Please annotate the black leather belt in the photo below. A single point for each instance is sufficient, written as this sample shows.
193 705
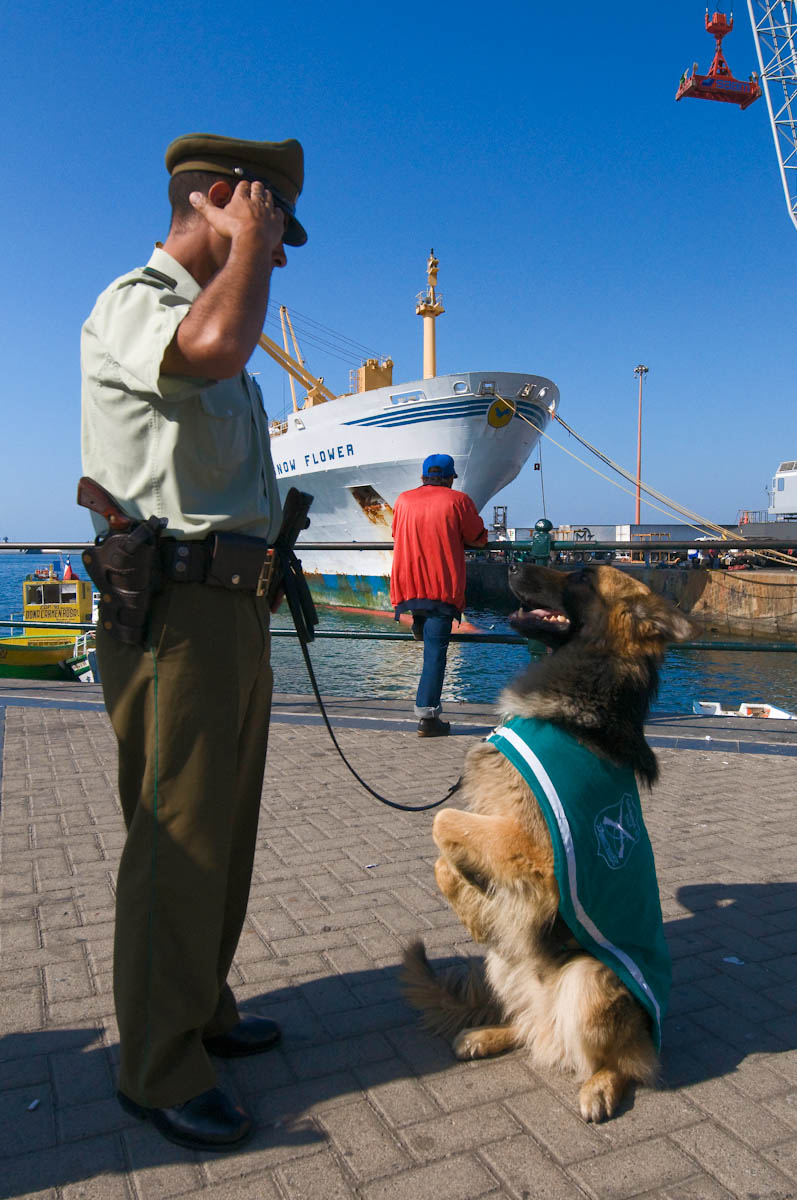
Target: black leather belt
185 562
228 560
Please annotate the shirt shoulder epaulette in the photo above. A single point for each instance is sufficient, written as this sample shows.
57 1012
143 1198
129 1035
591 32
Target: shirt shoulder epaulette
148 275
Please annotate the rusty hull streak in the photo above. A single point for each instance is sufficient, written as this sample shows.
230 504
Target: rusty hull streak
374 508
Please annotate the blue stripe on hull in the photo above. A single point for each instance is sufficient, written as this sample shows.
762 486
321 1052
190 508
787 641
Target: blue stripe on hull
391 420
351 591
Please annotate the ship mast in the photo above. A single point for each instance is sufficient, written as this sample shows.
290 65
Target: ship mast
429 306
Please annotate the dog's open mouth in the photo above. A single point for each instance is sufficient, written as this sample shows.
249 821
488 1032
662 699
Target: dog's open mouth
532 622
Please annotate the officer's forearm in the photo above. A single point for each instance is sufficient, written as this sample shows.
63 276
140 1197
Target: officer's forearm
217 337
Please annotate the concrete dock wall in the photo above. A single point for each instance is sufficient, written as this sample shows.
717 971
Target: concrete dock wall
741 603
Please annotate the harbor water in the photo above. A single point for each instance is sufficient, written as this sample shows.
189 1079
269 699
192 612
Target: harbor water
475 673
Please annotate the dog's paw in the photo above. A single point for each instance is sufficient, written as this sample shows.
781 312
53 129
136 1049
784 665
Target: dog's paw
468 1044
484 1042
600 1095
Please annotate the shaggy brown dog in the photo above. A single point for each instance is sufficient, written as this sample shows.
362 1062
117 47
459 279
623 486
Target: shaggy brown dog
543 990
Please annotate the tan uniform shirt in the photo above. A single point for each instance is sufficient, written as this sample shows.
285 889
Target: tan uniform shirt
194 451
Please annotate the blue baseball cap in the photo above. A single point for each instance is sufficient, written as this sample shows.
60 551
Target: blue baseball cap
439 464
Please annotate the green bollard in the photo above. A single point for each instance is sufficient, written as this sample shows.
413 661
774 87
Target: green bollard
541 542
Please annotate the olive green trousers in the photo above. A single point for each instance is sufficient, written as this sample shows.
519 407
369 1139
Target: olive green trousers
190 710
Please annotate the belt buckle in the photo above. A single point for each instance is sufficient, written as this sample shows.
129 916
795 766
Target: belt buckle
266 572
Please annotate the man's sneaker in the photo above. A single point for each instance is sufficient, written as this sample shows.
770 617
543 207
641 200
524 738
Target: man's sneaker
433 727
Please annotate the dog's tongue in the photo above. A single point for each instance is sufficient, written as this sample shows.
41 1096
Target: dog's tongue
545 614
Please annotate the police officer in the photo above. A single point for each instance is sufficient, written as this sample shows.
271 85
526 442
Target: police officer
173 426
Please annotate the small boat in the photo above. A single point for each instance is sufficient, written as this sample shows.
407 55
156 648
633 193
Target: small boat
44 653
713 708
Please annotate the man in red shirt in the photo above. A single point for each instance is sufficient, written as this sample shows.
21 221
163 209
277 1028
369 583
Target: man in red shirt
432 525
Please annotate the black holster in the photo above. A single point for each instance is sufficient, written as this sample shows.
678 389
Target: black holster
126 569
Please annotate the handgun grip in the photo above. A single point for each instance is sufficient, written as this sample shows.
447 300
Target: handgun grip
91 494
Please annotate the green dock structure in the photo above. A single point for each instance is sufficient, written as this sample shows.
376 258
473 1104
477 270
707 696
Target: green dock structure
359 1102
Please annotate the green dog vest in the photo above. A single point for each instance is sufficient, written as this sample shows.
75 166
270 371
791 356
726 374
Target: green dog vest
603 859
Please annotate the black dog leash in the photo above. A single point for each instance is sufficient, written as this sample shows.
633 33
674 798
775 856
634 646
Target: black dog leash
303 612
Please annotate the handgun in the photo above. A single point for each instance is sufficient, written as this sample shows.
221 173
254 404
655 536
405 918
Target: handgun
91 494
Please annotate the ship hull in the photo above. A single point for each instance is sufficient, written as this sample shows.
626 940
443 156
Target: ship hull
356 454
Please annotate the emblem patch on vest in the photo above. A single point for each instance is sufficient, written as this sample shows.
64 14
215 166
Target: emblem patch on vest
617 831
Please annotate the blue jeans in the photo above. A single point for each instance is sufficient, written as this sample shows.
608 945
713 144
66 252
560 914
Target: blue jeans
436 634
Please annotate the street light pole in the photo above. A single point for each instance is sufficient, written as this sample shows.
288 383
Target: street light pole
641 371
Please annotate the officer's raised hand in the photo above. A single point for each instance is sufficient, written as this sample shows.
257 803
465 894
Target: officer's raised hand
248 211
232 244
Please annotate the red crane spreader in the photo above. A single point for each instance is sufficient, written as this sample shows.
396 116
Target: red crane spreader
719 84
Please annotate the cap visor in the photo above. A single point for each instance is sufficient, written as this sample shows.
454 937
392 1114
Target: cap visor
295 234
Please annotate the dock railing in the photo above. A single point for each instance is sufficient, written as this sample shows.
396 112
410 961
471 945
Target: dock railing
510 550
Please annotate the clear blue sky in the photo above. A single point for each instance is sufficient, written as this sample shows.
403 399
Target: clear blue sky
584 221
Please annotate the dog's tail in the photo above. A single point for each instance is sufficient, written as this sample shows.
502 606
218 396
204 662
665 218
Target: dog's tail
450 1002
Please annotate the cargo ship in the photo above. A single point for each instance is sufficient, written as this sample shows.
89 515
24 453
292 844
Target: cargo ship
355 453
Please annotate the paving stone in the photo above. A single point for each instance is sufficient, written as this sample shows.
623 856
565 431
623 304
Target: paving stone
259 1186
269 1147
523 1167
400 1099
784 1157
459 1131
287 1103
634 1170
332 1056
370 1017
700 1187
22 1010
756 1127
364 1141
158 1168
784 1107
95 1164
467 1083
23 1128
458 1178
313 1177
78 1076
24 1072
565 1136
735 1166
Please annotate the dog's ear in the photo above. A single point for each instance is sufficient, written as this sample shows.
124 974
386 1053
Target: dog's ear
651 618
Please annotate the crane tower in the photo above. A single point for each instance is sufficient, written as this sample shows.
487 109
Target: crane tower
775 31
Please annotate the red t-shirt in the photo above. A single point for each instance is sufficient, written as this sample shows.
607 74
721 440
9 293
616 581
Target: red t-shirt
431 526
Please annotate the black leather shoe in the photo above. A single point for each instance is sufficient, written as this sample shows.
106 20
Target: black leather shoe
433 727
210 1121
252 1035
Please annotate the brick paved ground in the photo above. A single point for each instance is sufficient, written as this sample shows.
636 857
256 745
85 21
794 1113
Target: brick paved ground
358 1102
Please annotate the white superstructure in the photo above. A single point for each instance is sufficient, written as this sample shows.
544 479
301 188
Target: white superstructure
783 497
